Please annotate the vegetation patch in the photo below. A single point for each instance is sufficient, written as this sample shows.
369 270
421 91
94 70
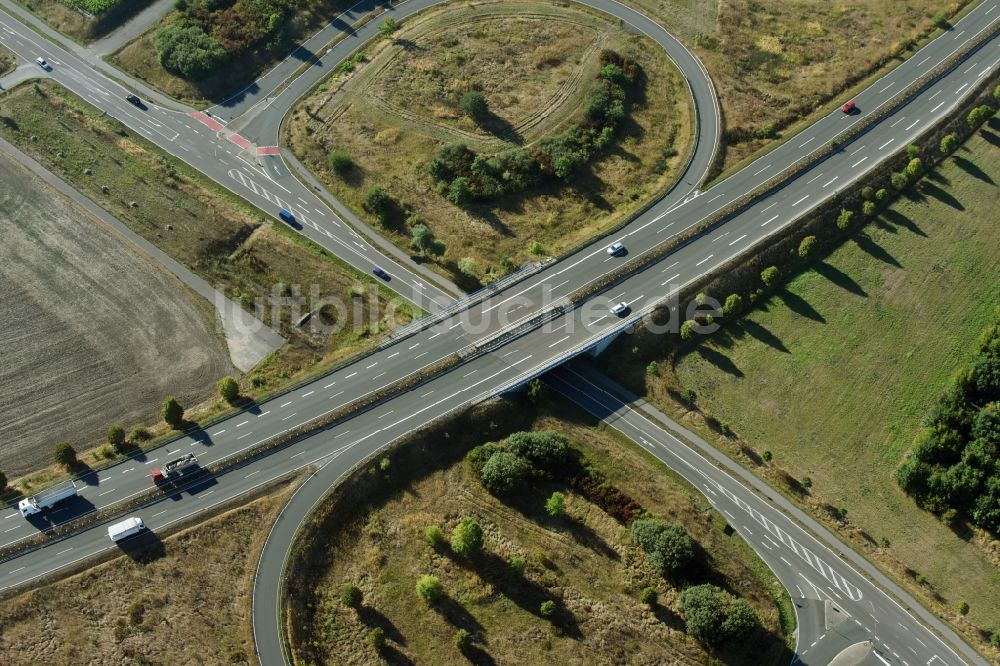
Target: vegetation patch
85 20
545 123
824 385
423 557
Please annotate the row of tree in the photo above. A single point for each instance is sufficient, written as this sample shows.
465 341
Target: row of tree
463 176
955 465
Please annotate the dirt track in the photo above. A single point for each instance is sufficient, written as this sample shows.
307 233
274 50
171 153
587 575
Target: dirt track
90 332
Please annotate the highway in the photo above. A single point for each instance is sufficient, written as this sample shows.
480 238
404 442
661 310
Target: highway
515 360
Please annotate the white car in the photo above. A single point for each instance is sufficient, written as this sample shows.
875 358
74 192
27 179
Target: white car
620 309
44 64
615 248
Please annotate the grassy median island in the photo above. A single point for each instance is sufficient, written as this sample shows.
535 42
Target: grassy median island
557 575
85 20
834 374
186 601
773 62
508 81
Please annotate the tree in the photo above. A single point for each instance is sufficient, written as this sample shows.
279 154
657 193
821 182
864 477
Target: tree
555 506
116 437
668 546
467 538
770 276
474 105
845 219
468 266
187 50
65 454
429 588
614 73
459 192
544 449
3 482
995 639
462 639
376 638
940 21
649 596
963 608
652 369
687 330
503 473
688 396
912 151
714 616
378 203
351 595
899 180
339 162
978 116
434 536
914 167
881 194
516 565
423 239
949 142
808 245
172 412
228 389
807 482
733 305
868 209
387 28
547 608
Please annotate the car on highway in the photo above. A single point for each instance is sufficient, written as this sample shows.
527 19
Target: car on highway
849 107
620 309
44 64
289 218
615 249
381 274
134 100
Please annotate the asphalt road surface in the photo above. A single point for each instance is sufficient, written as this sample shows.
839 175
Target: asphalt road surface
521 357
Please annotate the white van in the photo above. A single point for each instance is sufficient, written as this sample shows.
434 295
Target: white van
128 527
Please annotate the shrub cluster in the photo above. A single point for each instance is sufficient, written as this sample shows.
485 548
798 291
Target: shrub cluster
953 467
463 176
668 547
715 616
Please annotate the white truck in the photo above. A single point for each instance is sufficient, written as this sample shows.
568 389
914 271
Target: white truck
128 527
174 470
30 506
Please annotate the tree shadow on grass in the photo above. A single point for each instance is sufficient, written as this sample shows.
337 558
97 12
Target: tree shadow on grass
839 278
972 169
900 220
588 538
719 360
937 177
991 138
800 306
456 615
372 618
865 243
478 656
941 195
500 128
668 617
393 656
761 334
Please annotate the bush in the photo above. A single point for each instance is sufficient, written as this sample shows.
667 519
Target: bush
940 21
963 608
733 305
547 608
768 456
978 116
767 131
462 639
378 203
770 276
555 506
376 638
867 193
459 191
467 538
228 389
172 412
914 167
116 437
187 50
668 547
714 616
807 482
468 266
899 180
351 595
949 142
536 248
652 369
434 536
912 151
423 239
3 481
845 219
649 596
387 28
516 565
881 194
65 454
429 588
808 245
339 162
688 396
544 449
138 434
868 209
503 473
995 639
474 105
687 330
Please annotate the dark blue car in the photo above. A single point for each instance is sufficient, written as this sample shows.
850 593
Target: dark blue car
287 217
380 273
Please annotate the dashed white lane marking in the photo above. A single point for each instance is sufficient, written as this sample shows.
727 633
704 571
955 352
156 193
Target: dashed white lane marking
887 143
704 260
296 455
938 107
806 142
912 125
106 492
380 374
787 563
150 462
246 435
263 414
935 94
63 552
470 374
306 395
216 434
559 342
387 413
830 182
392 355
285 404
414 346
859 161
770 221
289 416
350 375
737 240
800 201
251 474
369 367
158 514
11 529
762 170
887 87
419 355
243 423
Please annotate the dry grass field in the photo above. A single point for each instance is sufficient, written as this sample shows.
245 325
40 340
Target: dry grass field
774 61
835 372
586 560
7 60
534 62
189 606
91 331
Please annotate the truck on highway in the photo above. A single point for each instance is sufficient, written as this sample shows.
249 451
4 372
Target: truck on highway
172 471
128 527
30 506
